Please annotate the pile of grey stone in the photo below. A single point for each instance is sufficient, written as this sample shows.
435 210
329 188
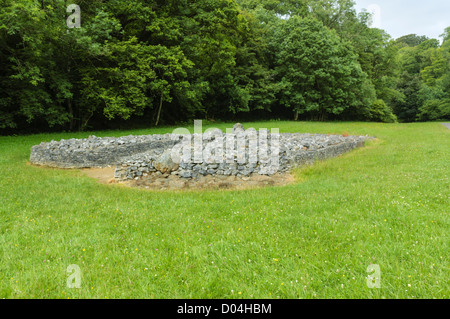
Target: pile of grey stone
240 153
96 151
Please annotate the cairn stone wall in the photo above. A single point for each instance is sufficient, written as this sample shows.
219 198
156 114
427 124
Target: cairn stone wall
95 151
241 153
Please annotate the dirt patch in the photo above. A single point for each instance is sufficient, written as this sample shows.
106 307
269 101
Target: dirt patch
210 182
173 182
102 175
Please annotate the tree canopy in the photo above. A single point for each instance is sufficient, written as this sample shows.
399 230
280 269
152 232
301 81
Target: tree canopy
163 62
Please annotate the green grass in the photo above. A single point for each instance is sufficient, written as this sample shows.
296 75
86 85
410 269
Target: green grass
385 204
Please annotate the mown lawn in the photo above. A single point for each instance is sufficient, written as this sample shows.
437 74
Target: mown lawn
385 204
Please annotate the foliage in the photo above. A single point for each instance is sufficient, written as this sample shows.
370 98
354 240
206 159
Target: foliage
412 40
433 110
153 61
424 81
318 72
380 112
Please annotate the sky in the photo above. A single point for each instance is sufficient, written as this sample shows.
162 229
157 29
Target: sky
402 17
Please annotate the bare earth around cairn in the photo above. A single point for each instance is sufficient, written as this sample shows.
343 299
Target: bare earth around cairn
171 182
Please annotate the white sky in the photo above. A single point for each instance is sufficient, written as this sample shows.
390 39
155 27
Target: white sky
402 17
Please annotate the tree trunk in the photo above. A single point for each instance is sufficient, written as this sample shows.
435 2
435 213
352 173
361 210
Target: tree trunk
84 124
323 116
69 106
159 110
296 116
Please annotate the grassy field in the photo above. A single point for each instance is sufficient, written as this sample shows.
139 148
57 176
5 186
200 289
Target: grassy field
385 204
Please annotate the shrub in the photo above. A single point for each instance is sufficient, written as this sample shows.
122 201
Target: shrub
433 110
380 112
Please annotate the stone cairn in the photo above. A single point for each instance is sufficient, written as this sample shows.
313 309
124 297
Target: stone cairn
240 153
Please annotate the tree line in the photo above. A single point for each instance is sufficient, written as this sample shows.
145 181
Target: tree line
159 62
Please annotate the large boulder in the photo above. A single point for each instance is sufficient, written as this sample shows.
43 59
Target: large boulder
238 128
165 164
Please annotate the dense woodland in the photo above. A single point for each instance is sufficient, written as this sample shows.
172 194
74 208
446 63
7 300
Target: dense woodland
154 62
